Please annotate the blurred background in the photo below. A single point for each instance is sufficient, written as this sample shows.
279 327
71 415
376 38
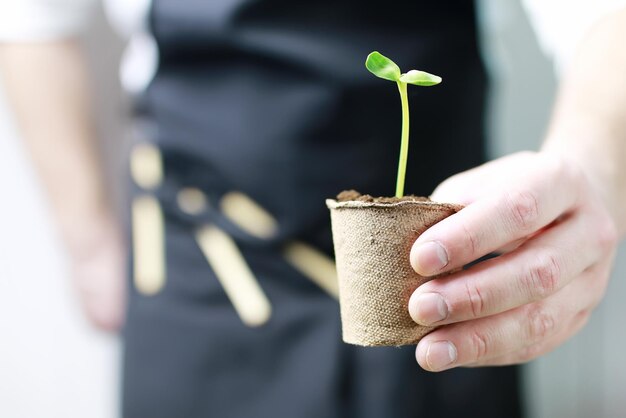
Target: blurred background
52 364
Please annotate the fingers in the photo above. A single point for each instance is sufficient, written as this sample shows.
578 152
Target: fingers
533 272
98 278
496 220
587 283
533 351
516 335
483 339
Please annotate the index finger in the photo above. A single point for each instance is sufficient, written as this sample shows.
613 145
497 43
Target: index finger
495 221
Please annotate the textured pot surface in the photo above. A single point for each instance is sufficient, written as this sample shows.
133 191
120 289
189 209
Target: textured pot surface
372 244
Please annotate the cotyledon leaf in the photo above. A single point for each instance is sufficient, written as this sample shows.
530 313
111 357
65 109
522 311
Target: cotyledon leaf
420 78
382 67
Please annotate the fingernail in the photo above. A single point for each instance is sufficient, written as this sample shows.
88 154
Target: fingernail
428 308
440 355
429 258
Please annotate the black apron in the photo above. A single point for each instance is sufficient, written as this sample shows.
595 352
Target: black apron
271 98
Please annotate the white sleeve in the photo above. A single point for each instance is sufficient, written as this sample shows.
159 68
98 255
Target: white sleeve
561 24
42 20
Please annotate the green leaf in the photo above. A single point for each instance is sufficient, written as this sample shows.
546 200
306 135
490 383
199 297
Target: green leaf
420 78
382 67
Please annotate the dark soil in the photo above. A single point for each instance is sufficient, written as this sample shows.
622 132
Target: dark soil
353 195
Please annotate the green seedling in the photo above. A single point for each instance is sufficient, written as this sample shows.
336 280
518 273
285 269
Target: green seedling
383 67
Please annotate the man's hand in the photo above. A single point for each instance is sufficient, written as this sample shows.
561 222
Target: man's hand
98 271
557 242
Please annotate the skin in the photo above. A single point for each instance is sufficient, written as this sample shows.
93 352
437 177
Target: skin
47 87
556 216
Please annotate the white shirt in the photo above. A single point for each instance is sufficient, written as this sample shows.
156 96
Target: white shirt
559 24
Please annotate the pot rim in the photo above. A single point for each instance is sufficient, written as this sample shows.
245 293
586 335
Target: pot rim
357 204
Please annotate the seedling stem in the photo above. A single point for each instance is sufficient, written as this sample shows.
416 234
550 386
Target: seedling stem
383 67
404 142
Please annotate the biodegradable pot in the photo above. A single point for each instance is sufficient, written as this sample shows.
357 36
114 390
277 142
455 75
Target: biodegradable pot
373 239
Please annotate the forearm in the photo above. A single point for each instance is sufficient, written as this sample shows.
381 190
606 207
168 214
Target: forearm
46 84
589 123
